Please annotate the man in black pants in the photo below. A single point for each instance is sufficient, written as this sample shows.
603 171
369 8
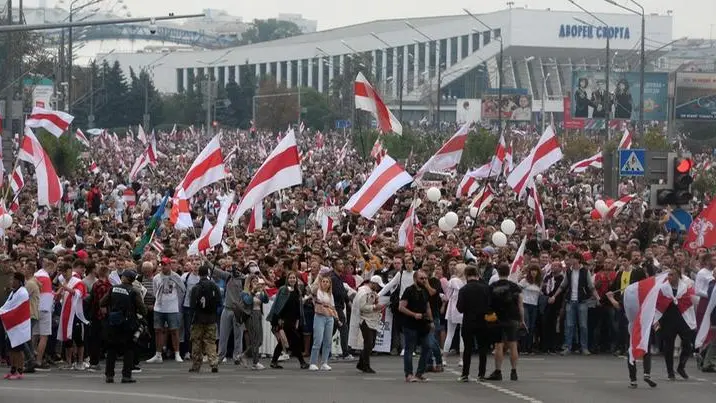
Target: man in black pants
676 316
473 302
550 319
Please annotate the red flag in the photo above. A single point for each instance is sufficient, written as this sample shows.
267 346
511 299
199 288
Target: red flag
702 232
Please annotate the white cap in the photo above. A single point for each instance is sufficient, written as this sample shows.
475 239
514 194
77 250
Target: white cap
378 280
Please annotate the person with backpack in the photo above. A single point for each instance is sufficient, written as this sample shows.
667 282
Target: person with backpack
123 304
205 298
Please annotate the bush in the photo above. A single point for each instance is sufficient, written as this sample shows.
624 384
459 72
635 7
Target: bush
578 148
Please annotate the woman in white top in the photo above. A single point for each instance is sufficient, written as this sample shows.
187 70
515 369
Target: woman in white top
452 315
323 319
531 286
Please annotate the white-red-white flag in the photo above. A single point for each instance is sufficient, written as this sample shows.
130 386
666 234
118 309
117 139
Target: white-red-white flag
55 122
616 208
49 187
519 260
448 156
595 161
82 138
343 153
406 232
208 168
320 142
508 164
545 154
141 135
368 99
15 316
378 152
327 224
640 309
94 168
17 181
705 333
382 183
214 235
534 203
626 140
148 157
256 221
281 170
35 225
483 199
129 197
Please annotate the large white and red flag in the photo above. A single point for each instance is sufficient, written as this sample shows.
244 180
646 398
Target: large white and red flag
34 227
534 203
626 140
49 187
595 161
72 307
545 154
378 151
483 199
214 235
368 99
180 215
82 138
17 181
640 309
327 224
148 157
55 122
129 197
94 168
702 231
705 333
519 260
15 317
46 294
448 156
208 168
281 170
382 183
406 232
256 221
141 135
508 164
616 208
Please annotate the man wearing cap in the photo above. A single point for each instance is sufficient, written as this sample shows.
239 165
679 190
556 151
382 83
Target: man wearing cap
123 304
366 315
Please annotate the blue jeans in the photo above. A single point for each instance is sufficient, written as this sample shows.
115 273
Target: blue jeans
434 341
322 335
575 311
412 339
531 312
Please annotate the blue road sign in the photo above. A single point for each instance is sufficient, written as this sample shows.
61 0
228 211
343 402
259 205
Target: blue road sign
632 162
679 220
343 124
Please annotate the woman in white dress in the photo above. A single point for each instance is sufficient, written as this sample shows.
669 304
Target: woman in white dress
452 315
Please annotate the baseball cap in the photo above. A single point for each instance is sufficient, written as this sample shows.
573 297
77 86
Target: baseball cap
377 280
82 255
130 274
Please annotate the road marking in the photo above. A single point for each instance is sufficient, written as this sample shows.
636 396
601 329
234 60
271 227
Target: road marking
114 393
502 390
375 378
559 373
261 377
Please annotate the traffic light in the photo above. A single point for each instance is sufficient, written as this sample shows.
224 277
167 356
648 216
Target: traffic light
677 190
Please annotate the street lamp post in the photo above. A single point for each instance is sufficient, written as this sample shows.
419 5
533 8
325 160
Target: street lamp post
400 79
642 67
438 66
70 39
499 73
544 94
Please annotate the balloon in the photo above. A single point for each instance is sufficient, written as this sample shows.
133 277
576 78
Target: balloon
473 212
508 227
433 194
499 239
595 214
451 219
443 225
601 207
539 178
5 221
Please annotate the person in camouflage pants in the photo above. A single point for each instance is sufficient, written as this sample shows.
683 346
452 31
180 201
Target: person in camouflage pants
205 298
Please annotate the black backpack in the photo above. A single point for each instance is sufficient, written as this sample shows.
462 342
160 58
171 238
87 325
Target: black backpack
206 299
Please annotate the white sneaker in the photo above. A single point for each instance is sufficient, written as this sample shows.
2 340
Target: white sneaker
284 357
402 352
187 357
313 367
157 359
325 367
459 364
79 366
205 359
349 357
177 357
223 361
257 367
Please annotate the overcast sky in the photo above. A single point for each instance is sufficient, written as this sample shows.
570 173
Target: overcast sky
692 18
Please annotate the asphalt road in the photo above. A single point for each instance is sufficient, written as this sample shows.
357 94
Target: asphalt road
542 379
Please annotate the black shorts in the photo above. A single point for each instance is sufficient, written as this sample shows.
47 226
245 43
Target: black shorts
507 331
78 335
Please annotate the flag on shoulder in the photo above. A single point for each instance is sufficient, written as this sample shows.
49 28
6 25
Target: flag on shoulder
15 316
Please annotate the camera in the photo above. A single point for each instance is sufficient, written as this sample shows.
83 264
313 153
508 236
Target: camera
152 26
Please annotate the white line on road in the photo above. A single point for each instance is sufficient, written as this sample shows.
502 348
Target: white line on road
502 390
113 393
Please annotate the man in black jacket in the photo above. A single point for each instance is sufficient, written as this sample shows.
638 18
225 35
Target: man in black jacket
205 299
473 302
341 301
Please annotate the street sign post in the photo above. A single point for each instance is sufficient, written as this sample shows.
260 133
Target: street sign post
632 163
679 220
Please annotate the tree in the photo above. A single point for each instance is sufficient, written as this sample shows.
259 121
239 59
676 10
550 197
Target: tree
342 84
578 148
276 105
142 87
319 113
111 112
653 140
269 30
64 152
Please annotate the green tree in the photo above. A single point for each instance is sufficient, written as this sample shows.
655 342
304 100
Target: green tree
111 112
141 90
269 30
578 148
654 140
276 105
64 152
318 111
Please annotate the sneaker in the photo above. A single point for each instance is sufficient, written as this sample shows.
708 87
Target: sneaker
223 360
459 364
214 370
586 352
284 357
566 351
42 367
177 357
7 376
157 359
325 367
304 365
66 367
85 364
633 385
402 353
369 371
348 357
313 367
682 373
79 366
647 379
411 379
463 378
30 369
240 361
94 368
421 378
109 380
14 377
275 365
187 356
136 370
496 375
129 380
513 375
257 367
205 359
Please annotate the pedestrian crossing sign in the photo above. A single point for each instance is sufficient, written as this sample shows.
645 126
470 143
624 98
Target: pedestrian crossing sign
632 162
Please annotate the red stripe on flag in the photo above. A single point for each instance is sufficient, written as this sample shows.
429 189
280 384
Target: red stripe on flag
285 159
16 316
544 149
375 188
455 144
363 90
213 160
52 118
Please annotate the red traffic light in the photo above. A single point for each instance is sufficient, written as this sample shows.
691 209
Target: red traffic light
684 166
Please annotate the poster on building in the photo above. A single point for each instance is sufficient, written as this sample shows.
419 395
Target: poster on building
40 90
590 100
516 104
468 110
695 96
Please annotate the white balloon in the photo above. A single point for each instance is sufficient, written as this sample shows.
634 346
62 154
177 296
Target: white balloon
443 225
508 227
5 221
601 207
473 212
451 219
499 239
539 178
433 194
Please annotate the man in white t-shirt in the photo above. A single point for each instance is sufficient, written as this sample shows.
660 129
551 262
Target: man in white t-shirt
190 278
167 288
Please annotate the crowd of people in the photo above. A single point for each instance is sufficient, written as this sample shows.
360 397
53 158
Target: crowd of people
93 295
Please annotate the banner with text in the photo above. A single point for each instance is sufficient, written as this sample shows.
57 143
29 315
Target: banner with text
695 96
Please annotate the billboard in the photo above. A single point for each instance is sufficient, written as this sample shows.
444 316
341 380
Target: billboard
589 99
468 110
695 96
514 106
41 91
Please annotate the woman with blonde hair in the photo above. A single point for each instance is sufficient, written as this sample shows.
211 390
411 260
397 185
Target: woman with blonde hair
452 315
324 318
253 299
